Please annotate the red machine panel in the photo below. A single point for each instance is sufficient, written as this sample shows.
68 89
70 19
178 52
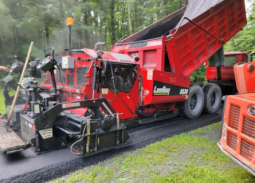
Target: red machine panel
163 87
150 53
124 103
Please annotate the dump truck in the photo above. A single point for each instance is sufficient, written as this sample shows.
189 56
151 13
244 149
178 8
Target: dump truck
90 97
222 73
238 123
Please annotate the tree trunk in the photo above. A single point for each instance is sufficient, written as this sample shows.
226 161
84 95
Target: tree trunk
166 8
112 17
96 27
136 18
62 14
158 12
86 22
15 31
182 4
121 26
47 35
105 35
61 9
2 60
86 32
129 17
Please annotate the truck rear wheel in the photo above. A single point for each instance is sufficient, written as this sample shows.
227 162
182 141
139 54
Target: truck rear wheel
194 105
213 97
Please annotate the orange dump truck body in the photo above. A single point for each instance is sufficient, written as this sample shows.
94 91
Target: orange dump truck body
245 77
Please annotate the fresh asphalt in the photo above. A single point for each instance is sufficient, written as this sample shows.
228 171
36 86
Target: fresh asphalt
27 166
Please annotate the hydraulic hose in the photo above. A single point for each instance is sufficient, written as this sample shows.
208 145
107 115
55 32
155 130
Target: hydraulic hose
94 80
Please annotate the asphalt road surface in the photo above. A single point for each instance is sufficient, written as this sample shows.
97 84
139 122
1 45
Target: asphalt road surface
27 166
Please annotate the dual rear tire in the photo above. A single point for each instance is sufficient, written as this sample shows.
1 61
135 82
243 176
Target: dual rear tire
201 99
213 98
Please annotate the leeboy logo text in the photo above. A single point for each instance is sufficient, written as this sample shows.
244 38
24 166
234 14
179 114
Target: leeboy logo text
161 91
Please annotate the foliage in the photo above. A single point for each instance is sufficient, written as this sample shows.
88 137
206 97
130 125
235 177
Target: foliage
244 41
2 105
43 21
2 75
199 75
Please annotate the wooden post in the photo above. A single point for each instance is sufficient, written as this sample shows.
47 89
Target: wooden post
20 80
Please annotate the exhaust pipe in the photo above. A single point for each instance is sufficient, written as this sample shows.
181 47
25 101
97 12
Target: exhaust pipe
250 56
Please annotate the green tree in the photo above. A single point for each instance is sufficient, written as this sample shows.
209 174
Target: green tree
43 21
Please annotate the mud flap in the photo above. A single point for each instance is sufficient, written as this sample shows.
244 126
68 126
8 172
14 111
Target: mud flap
10 142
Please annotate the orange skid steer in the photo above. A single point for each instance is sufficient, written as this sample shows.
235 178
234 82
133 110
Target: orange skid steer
238 123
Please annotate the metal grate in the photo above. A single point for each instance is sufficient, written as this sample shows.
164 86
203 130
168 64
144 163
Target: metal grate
234 117
70 80
247 150
80 75
61 74
248 127
231 140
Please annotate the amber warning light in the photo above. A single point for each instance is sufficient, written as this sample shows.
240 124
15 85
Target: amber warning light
69 21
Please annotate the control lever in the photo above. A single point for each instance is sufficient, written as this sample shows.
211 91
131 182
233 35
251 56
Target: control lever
118 125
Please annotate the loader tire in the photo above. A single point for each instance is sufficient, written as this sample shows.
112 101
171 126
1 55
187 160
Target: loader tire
213 96
193 106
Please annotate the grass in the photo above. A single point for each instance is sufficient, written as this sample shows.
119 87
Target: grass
186 158
2 105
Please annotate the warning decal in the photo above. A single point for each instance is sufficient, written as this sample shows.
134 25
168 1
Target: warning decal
47 133
167 89
149 74
105 91
36 108
67 105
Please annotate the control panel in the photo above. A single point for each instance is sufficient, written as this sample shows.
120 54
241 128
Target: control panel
67 63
